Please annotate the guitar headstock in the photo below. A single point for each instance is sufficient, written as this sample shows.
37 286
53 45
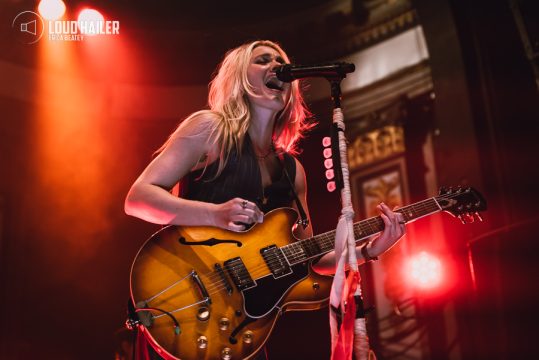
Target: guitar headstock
464 203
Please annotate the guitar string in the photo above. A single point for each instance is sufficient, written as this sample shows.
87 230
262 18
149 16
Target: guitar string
377 222
424 207
221 284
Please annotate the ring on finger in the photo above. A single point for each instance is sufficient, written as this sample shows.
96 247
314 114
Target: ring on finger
244 204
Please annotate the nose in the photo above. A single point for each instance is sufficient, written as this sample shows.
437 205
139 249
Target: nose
275 67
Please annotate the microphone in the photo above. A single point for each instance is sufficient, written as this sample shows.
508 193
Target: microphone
289 72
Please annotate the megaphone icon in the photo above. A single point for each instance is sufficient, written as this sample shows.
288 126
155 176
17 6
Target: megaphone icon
29 27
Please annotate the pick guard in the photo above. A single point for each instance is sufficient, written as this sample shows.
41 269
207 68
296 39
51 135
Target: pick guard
266 295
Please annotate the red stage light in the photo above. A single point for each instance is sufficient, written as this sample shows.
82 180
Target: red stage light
330 174
90 21
331 186
327 153
328 163
51 9
326 141
424 271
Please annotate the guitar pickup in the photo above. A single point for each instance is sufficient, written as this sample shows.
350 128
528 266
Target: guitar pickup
238 273
276 261
221 274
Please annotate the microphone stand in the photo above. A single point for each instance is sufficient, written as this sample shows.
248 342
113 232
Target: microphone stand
345 291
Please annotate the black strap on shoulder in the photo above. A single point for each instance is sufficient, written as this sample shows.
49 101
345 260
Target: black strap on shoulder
304 221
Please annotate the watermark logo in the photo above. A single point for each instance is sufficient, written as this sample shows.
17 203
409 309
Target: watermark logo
28 27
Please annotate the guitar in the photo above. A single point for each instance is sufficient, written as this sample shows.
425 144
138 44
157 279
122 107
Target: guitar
209 293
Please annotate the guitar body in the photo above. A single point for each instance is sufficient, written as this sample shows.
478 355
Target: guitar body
225 289
207 293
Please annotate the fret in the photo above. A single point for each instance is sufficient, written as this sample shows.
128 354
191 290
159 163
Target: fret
422 208
328 242
311 247
287 251
304 250
299 252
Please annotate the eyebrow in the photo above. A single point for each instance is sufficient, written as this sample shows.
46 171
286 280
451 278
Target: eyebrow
278 58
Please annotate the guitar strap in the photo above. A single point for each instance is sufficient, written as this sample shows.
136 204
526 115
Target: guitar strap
304 221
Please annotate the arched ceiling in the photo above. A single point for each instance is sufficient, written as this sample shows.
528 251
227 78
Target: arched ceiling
186 39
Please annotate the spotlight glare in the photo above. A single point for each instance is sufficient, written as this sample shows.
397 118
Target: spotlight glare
90 21
424 271
51 9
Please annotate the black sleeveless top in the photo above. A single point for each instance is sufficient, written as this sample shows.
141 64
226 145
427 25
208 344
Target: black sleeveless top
240 178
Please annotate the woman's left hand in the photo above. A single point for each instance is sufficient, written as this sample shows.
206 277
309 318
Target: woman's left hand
395 227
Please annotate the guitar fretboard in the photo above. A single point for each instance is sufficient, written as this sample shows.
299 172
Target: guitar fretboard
304 250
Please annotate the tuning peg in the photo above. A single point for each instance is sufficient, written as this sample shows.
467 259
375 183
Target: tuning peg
478 216
466 218
443 190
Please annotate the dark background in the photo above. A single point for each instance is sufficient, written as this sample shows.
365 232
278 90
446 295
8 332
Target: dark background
64 263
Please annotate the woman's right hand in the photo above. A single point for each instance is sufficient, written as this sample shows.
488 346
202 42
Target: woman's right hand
236 214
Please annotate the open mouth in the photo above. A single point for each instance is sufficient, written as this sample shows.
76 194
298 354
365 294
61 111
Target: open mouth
275 84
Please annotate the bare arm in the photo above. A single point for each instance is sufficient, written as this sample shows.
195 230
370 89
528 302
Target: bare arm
149 197
300 184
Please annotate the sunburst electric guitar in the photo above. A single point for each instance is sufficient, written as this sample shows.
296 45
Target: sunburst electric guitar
208 293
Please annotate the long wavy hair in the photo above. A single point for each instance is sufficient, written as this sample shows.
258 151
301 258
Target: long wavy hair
229 105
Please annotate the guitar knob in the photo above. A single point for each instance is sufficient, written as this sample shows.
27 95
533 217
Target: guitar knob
202 342
203 313
248 337
226 354
316 286
224 323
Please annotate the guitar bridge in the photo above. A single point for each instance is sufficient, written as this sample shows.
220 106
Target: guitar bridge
201 287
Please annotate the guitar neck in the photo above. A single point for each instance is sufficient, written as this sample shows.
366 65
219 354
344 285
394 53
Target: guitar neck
304 250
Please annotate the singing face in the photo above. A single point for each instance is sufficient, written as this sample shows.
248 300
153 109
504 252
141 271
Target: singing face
270 92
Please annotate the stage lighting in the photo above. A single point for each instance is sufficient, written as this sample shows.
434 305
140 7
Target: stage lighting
424 271
90 22
51 9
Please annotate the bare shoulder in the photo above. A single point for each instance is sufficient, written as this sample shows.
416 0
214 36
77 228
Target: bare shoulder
199 126
196 135
190 146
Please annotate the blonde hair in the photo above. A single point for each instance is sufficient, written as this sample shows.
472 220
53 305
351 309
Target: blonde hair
229 105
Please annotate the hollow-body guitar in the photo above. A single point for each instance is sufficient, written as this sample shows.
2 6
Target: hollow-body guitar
209 293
